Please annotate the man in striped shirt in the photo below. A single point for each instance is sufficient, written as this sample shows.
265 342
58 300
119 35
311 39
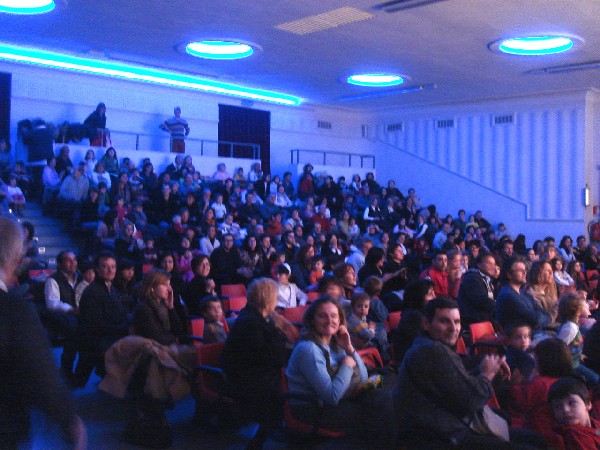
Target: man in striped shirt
179 129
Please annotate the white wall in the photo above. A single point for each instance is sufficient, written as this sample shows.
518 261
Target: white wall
531 171
59 96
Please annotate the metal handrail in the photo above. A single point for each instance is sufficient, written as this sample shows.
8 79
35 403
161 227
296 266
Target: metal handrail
362 157
255 147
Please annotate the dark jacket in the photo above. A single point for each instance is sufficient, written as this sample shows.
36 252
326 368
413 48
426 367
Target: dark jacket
476 298
28 374
517 307
146 323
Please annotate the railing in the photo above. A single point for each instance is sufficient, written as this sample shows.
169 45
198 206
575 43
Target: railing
326 153
211 147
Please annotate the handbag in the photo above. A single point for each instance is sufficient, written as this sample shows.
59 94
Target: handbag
487 421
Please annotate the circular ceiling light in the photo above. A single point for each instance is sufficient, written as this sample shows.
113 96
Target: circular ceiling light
26 6
375 79
535 45
219 49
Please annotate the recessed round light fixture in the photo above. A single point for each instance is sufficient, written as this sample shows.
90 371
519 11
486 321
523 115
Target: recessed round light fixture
26 6
217 49
535 45
375 79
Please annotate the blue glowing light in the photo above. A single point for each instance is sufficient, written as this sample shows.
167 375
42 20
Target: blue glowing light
219 49
375 79
536 45
137 73
26 6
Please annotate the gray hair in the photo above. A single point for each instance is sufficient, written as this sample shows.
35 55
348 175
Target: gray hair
11 246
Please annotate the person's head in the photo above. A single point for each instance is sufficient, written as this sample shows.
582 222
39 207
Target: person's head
106 266
570 401
442 320
211 308
454 259
166 262
322 320
365 245
375 257
262 294
228 241
201 265
360 303
573 268
553 358
28 230
570 306
440 261
156 285
540 274
283 274
11 250
486 263
67 262
177 111
87 271
373 286
514 271
518 336
101 108
581 241
318 262
417 294
395 253
346 274
331 286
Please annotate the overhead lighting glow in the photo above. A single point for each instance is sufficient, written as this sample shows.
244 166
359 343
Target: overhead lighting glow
142 74
26 6
535 45
375 79
219 49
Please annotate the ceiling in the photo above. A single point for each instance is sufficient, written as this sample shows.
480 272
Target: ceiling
443 44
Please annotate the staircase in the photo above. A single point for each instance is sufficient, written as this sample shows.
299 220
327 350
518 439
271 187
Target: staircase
51 233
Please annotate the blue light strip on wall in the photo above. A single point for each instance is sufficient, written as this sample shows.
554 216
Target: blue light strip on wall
141 74
31 7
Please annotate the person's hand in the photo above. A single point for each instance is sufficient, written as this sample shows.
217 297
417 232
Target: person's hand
349 361
170 299
372 325
78 434
210 285
491 365
343 339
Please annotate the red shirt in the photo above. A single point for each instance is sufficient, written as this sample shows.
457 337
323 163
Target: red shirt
439 280
577 437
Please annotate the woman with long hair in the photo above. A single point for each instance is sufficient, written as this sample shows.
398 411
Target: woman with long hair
541 286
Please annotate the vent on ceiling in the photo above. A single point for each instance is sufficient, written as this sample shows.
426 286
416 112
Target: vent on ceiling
444 123
503 119
592 65
324 124
324 21
391 127
401 5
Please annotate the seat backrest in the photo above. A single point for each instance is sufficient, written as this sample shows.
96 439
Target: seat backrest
197 327
461 347
481 329
233 290
294 314
210 354
371 357
312 296
147 268
235 303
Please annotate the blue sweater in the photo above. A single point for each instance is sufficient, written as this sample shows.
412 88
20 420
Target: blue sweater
307 372
515 307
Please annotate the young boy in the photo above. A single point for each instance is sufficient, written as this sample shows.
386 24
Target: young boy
87 276
317 272
212 311
521 363
289 294
570 402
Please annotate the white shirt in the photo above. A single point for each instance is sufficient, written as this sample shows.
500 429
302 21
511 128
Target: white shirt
207 247
356 260
52 294
290 296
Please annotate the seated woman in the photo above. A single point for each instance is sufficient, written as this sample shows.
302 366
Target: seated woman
326 365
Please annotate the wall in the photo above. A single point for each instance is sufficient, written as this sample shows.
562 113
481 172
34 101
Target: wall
531 171
59 96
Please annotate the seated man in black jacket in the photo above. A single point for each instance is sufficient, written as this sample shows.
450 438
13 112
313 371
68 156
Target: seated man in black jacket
103 318
476 292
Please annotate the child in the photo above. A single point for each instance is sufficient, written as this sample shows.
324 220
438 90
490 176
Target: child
150 254
571 307
289 294
353 231
15 196
103 199
87 276
362 333
219 208
378 314
521 363
121 209
276 259
317 272
212 311
570 402
23 179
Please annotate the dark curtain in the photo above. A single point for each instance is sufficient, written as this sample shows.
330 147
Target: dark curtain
237 124
5 88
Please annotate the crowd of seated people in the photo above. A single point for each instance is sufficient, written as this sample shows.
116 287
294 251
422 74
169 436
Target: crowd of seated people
368 248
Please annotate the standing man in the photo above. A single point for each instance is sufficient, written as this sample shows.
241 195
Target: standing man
59 292
28 376
178 128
